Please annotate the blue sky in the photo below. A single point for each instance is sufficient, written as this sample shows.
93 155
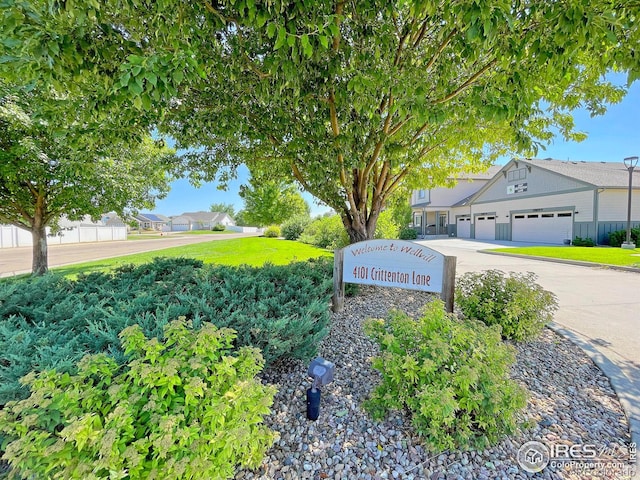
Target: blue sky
611 138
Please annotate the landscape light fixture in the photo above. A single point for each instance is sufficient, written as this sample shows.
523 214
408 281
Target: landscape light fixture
630 163
322 373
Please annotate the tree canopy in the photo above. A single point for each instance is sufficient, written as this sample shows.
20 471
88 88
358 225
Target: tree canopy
220 207
271 202
47 171
352 99
356 99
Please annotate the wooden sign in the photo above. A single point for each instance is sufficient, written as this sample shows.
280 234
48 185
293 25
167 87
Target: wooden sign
394 263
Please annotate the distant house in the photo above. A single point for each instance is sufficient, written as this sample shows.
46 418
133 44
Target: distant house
112 219
199 221
151 221
532 200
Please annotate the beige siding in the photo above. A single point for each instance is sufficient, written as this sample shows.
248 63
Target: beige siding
445 197
415 198
613 205
458 211
581 202
538 180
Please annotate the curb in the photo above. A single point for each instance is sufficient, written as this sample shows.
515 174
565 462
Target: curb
627 392
566 262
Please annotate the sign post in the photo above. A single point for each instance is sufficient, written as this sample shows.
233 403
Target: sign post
394 263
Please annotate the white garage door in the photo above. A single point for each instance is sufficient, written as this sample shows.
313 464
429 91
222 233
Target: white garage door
464 227
486 227
542 227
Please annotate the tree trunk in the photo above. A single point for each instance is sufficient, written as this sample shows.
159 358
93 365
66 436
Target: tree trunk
40 264
356 234
359 231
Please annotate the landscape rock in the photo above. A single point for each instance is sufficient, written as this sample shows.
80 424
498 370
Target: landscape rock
570 401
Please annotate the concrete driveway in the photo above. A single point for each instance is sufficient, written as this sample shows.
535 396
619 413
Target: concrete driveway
14 261
599 307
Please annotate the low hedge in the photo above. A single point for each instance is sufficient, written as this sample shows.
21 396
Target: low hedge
618 237
52 322
515 301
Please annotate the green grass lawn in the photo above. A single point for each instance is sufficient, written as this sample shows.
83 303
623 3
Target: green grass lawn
253 251
605 255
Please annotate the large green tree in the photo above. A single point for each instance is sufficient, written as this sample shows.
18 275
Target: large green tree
352 99
47 171
271 202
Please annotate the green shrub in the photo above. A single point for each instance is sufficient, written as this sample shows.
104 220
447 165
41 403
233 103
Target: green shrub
218 227
386 226
618 237
293 228
583 242
515 302
408 233
326 232
185 407
52 322
282 311
272 231
451 376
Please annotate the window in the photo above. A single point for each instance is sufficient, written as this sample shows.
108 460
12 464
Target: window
519 174
567 214
535 215
421 193
547 215
417 219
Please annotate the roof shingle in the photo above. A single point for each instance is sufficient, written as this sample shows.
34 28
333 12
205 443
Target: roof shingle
599 174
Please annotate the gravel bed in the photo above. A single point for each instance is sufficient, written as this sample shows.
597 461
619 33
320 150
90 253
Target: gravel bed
570 402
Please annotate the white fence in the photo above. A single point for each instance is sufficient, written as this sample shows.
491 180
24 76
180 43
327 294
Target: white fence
236 228
11 236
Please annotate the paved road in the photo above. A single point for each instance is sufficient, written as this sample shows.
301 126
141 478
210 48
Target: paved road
14 261
600 305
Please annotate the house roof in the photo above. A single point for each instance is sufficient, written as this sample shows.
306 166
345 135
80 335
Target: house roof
84 221
464 201
152 217
114 221
599 174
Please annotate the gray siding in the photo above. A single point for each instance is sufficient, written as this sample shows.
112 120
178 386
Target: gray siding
539 182
585 230
605 228
503 231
